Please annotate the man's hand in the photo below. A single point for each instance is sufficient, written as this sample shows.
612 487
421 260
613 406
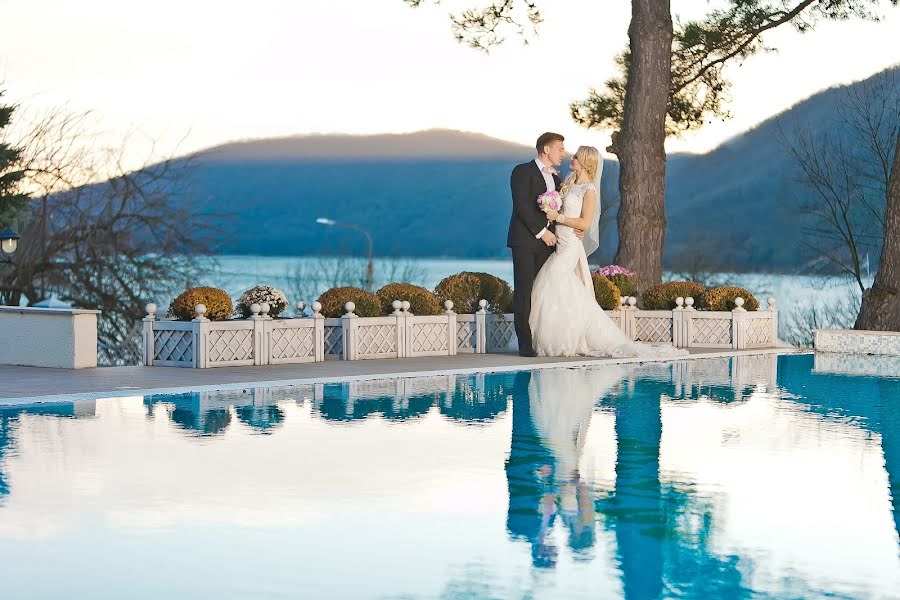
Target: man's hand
579 234
549 238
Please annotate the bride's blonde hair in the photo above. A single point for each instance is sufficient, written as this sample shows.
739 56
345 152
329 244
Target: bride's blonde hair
589 159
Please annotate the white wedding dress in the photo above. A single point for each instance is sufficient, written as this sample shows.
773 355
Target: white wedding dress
565 318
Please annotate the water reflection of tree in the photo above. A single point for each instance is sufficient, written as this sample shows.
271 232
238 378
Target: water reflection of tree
664 533
889 427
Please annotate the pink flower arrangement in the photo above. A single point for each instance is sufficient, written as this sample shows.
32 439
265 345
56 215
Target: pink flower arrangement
549 201
611 270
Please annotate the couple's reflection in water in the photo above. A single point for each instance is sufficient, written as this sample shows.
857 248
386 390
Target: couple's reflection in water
551 414
656 554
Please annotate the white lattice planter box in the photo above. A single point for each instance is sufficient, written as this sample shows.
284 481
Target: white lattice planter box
262 340
405 335
259 340
683 326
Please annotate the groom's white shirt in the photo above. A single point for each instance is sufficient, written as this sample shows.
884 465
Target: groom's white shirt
551 186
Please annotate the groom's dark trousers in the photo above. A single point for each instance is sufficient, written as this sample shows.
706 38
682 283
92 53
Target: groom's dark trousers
528 252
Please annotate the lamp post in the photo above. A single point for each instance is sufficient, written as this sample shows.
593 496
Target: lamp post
9 241
370 280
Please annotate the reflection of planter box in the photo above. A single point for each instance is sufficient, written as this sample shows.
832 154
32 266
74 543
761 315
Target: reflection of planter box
63 338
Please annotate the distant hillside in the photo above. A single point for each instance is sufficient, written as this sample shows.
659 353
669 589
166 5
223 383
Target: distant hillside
434 143
446 193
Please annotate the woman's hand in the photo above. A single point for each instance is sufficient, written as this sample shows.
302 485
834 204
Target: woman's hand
552 214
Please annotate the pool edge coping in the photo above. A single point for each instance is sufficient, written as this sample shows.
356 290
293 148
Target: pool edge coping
296 382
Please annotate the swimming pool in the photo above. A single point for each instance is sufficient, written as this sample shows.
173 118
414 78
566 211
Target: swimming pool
759 476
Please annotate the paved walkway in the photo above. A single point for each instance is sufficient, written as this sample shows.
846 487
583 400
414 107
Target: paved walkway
20 385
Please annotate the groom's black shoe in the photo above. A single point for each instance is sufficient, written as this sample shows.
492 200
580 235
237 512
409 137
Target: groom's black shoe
529 352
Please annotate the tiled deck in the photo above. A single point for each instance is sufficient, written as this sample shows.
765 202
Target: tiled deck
20 385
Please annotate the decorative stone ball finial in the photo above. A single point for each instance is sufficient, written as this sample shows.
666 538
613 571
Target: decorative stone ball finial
265 308
679 302
449 306
255 309
406 306
151 309
632 301
200 310
482 304
689 302
301 306
739 304
350 307
397 306
317 307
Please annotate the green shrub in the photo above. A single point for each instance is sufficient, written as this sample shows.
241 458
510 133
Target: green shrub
333 301
217 302
606 292
627 284
421 301
466 289
662 297
722 298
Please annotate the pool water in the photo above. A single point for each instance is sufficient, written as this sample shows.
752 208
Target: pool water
757 476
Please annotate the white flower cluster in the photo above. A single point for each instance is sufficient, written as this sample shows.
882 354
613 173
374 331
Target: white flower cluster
276 299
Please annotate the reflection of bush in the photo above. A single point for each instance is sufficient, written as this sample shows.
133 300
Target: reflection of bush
211 422
334 406
260 417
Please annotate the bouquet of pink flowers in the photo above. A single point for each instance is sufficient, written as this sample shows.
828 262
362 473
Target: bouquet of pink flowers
611 270
549 201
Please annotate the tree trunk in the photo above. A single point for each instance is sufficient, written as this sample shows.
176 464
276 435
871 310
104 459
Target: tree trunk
640 145
881 303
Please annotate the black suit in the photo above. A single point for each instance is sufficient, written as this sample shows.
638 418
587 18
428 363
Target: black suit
529 253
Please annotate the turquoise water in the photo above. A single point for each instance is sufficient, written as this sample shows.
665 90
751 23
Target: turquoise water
759 476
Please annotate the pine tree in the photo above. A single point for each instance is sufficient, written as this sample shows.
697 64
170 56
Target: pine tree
12 200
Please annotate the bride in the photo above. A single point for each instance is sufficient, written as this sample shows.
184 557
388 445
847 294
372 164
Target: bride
565 318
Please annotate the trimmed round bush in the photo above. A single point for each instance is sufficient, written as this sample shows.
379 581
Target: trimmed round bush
662 297
217 302
623 277
466 289
627 284
333 301
722 298
606 292
421 301
262 293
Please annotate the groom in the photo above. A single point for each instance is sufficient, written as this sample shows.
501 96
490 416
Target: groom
531 236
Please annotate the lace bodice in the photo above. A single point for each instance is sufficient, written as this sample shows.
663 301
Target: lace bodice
575 198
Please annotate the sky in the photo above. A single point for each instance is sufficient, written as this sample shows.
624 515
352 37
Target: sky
190 74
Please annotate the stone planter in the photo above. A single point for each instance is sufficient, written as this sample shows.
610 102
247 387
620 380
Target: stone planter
885 343
64 338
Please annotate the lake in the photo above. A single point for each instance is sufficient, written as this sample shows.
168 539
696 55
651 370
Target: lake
824 300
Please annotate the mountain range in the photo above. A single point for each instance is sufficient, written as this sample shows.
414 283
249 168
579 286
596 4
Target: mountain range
446 193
